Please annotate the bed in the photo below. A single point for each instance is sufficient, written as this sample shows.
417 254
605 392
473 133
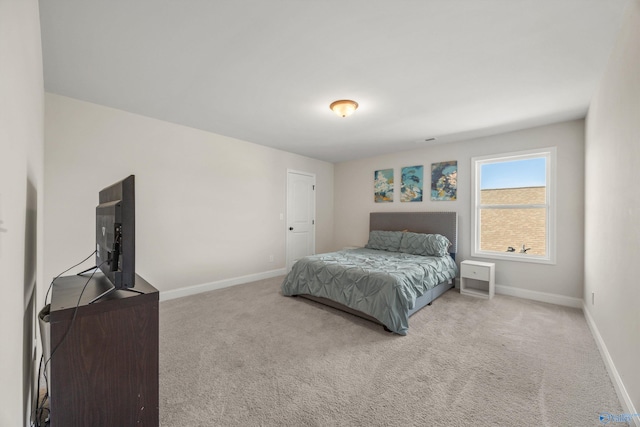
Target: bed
408 262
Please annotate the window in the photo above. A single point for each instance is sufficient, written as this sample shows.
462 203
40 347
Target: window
514 206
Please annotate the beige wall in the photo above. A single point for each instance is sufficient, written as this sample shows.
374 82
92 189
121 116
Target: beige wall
21 201
561 283
612 226
207 206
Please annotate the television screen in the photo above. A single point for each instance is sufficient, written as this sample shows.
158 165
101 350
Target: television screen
115 233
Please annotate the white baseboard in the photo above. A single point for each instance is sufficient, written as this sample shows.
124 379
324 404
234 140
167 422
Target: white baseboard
539 296
621 391
205 287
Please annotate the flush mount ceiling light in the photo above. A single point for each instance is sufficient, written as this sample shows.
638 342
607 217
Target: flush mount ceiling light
344 107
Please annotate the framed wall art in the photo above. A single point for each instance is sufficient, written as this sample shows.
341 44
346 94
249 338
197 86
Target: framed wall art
412 184
444 180
383 186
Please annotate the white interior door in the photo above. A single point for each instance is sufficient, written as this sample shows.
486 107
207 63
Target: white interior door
301 206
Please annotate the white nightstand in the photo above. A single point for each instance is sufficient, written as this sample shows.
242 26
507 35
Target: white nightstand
484 271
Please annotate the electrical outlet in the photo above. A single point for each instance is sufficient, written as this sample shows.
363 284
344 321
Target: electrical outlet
270 258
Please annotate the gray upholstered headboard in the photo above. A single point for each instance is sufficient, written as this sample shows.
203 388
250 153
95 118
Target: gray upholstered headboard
445 223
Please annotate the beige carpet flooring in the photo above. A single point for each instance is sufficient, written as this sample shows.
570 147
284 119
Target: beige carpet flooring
248 356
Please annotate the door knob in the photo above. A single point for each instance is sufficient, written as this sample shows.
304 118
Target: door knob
291 228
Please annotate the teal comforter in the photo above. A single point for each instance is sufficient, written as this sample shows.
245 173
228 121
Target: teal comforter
382 284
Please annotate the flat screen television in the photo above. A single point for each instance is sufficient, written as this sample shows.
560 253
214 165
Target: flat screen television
116 234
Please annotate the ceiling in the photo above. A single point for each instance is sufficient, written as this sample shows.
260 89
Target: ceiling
266 71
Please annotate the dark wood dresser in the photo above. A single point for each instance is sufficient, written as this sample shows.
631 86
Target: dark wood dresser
105 371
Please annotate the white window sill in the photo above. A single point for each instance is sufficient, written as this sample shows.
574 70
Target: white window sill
514 257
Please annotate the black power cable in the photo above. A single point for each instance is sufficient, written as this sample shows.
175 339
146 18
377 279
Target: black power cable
55 278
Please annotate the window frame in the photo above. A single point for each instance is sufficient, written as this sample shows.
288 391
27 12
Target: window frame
549 154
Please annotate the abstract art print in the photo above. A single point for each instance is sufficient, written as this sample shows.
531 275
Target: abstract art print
411 189
383 186
444 180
